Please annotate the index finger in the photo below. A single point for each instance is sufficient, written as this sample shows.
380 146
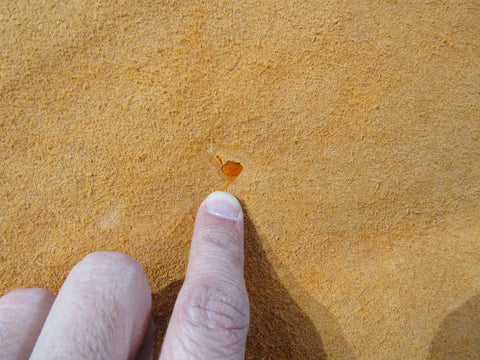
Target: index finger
211 316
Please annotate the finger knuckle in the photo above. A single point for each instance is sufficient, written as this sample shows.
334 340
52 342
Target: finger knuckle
217 312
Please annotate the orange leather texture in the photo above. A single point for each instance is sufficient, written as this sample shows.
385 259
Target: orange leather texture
357 124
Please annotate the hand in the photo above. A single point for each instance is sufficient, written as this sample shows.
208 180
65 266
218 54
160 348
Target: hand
103 309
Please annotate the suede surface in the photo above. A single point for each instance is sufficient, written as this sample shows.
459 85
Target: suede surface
357 124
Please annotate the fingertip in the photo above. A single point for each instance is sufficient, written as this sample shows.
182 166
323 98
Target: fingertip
109 258
22 315
224 205
106 294
217 242
116 266
29 296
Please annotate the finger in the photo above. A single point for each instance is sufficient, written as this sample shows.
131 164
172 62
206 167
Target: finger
211 316
146 348
22 314
101 312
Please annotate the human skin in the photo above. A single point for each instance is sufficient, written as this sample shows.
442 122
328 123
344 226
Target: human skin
103 309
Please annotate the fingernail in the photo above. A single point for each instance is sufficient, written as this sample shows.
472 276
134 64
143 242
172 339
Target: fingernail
223 204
